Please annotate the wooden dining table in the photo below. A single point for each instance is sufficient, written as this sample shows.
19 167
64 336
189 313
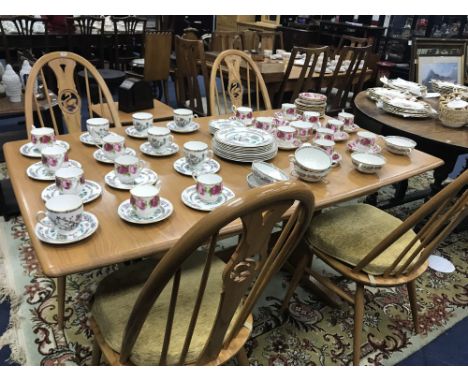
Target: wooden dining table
116 241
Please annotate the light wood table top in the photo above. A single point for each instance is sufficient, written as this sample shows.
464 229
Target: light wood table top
160 111
116 240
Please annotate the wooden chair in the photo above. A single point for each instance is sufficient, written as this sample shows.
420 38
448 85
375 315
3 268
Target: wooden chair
309 80
190 60
190 34
347 40
192 308
222 40
239 77
373 248
56 74
125 47
250 40
271 40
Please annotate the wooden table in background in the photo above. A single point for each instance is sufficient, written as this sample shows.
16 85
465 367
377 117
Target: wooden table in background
160 111
116 241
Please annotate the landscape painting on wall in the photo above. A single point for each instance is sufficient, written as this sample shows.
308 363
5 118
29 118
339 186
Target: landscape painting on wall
444 68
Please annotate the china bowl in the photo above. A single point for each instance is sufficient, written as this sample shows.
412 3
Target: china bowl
367 163
311 159
267 172
399 145
309 176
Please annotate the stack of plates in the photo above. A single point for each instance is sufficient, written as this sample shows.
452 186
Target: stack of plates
406 86
243 144
218 124
407 108
311 102
376 93
445 87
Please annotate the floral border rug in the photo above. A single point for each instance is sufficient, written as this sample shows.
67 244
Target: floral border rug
311 333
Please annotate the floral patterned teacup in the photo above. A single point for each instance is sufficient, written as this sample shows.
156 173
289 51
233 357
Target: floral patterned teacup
65 213
288 110
304 130
98 128
53 157
159 137
244 114
326 145
324 133
335 124
142 121
209 186
69 180
183 117
366 138
287 135
128 167
265 123
112 145
196 152
313 117
144 199
347 118
42 137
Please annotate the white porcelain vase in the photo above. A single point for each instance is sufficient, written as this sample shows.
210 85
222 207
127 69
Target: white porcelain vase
24 75
12 83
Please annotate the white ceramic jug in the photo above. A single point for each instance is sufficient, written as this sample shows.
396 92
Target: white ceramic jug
13 84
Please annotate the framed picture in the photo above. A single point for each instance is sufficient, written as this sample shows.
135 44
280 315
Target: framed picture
443 59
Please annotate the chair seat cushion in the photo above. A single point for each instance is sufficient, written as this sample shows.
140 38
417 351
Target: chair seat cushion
118 292
349 233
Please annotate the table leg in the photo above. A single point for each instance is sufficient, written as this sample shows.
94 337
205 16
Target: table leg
61 287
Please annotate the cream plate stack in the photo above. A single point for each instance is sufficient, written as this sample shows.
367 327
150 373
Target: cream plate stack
243 144
407 108
311 102
414 88
377 93
445 87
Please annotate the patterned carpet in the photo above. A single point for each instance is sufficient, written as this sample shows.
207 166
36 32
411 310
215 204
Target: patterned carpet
311 333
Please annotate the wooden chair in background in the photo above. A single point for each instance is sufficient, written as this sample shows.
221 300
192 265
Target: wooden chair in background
60 90
125 47
310 79
250 40
373 248
222 40
358 42
192 308
239 81
271 40
191 70
190 34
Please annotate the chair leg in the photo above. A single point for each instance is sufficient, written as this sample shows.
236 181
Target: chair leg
411 286
242 357
61 288
297 276
358 321
97 353
166 91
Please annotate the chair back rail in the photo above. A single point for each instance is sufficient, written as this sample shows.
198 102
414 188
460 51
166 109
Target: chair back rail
234 65
222 40
157 56
271 40
245 275
59 70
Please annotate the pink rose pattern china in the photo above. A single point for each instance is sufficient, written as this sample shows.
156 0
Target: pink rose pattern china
45 139
66 184
143 204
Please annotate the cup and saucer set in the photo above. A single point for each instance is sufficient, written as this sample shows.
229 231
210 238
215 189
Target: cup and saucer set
365 142
207 193
264 173
183 122
97 128
348 123
145 205
160 142
287 114
64 221
337 125
196 156
129 171
112 146
41 138
141 123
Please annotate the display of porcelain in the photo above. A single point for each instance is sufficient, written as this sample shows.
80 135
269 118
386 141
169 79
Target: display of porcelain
191 198
378 92
414 88
354 146
219 124
282 120
127 212
189 128
101 157
147 149
367 163
267 172
131 131
146 176
40 172
89 191
12 83
31 151
399 145
209 166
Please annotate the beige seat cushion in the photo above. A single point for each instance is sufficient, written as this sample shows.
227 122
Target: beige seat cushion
349 233
117 294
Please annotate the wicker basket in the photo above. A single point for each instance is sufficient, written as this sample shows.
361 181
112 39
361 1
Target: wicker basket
451 117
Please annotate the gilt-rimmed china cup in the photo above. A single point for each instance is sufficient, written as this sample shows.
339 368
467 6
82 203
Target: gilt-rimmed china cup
288 110
265 123
326 145
334 124
53 157
142 121
367 163
145 199
196 152
209 186
312 117
324 133
183 117
286 135
128 167
160 137
69 180
42 137
244 114
64 213
304 129
366 138
347 118
112 145
98 128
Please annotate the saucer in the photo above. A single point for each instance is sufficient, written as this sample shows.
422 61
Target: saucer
90 191
87 139
350 129
29 150
193 126
290 146
39 172
87 227
100 157
147 149
127 213
253 181
191 198
354 147
134 133
340 136
208 166
279 115
146 176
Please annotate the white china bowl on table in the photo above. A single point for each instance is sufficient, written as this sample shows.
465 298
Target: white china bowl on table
267 172
311 163
399 145
367 163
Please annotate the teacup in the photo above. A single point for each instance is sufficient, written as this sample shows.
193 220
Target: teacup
287 135
304 129
366 138
265 123
142 121
65 213
128 167
244 114
69 180
312 117
324 133
160 137
42 137
335 124
326 145
347 118
288 110
209 186
53 157
112 145
98 128
196 152
183 117
144 199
